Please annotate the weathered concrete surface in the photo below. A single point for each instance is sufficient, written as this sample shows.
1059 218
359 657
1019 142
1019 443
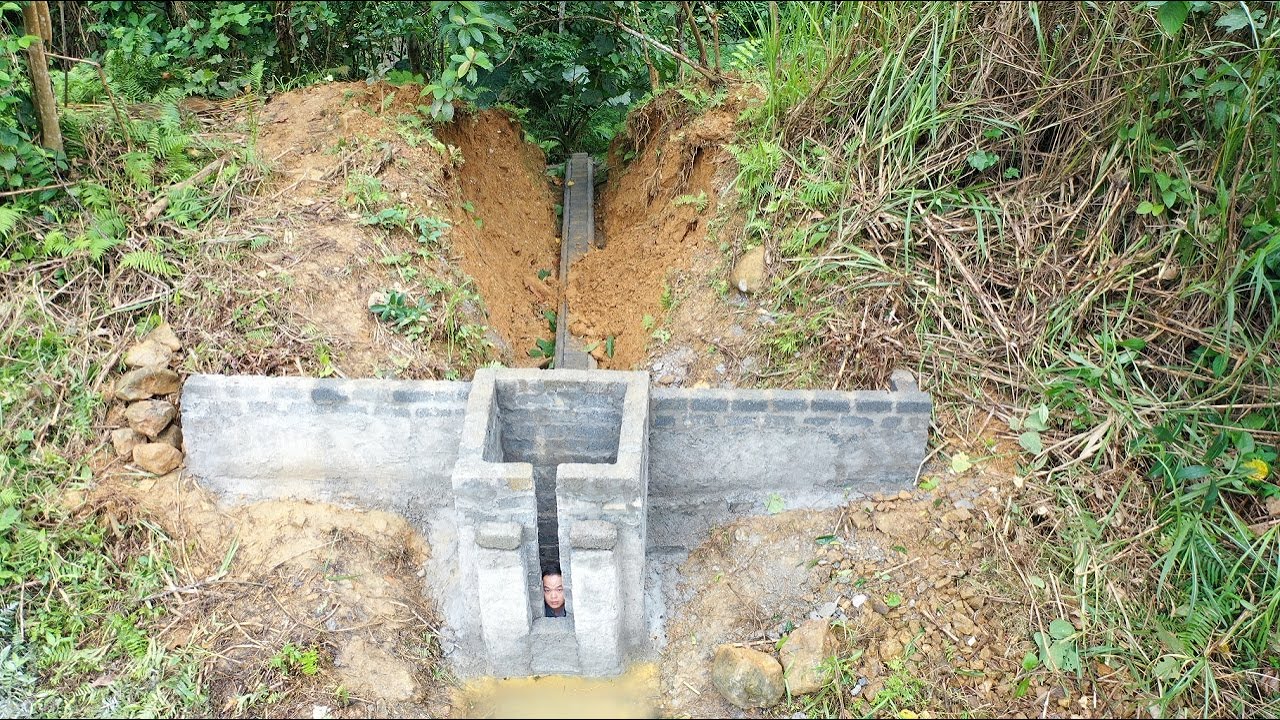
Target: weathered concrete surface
519 467
577 235
716 454
386 443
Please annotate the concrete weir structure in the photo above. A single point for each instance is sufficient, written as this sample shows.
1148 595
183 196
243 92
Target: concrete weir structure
521 467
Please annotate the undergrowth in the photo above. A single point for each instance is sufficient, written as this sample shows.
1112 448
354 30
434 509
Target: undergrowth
1062 213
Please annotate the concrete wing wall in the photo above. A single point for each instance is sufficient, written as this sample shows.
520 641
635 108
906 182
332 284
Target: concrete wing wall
383 443
715 454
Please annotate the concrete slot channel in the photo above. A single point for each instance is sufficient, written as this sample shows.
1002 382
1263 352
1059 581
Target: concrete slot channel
616 480
577 236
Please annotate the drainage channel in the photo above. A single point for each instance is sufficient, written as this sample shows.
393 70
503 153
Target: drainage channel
576 237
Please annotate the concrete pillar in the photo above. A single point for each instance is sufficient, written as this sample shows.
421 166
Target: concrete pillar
502 598
597 610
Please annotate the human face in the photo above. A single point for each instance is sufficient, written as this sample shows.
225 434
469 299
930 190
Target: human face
553 591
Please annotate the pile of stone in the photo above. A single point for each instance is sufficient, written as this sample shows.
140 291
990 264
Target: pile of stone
152 439
750 678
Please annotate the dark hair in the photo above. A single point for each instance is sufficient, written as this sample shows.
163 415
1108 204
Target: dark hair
551 569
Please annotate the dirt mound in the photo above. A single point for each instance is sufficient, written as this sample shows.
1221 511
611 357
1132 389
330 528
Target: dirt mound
301 604
513 233
364 186
928 593
655 217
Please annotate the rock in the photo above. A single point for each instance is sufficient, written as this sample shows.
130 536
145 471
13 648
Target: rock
148 354
158 458
165 336
827 609
124 440
890 648
803 655
747 678
171 435
147 382
748 274
150 417
675 365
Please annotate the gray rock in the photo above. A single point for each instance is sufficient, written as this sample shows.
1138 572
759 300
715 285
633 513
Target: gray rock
147 382
148 353
747 678
828 609
124 440
158 458
804 654
673 366
150 417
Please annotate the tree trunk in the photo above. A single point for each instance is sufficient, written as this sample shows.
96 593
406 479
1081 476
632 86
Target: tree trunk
35 16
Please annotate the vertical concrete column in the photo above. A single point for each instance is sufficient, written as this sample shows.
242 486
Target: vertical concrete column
615 494
598 608
505 621
486 491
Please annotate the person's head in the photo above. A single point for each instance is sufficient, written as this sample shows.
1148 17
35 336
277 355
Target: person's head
553 586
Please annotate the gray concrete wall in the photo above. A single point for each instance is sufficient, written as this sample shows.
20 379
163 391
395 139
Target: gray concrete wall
521 465
715 454
260 437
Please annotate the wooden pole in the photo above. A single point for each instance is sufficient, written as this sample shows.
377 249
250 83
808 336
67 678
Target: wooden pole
35 16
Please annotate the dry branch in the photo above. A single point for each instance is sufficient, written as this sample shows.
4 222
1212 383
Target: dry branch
159 206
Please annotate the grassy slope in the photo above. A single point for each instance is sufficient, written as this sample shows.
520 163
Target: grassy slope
1068 214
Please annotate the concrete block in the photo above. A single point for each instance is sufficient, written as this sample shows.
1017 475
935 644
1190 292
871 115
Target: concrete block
505 620
593 535
553 647
499 535
598 610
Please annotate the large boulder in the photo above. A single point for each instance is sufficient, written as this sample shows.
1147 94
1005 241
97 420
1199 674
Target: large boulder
805 657
158 458
747 678
147 382
150 417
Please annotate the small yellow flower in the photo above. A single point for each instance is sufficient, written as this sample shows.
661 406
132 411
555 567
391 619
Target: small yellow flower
1257 468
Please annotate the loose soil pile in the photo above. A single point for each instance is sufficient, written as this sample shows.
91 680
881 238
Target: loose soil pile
269 584
324 262
929 592
655 215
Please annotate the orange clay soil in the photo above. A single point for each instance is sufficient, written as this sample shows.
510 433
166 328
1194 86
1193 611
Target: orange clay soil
647 235
489 184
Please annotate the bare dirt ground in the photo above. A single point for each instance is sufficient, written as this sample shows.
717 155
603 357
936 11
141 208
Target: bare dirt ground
342 153
655 285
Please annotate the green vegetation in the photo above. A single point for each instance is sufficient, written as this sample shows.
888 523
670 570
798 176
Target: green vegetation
1078 218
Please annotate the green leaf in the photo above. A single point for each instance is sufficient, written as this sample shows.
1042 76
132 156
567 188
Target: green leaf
826 539
1237 19
9 517
608 346
1144 208
982 159
893 600
774 504
1065 656
1173 15
1060 629
1166 668
960 463
1030 661
1191 472
1030 441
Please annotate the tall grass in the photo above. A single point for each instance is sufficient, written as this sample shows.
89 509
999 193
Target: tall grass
1061 204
